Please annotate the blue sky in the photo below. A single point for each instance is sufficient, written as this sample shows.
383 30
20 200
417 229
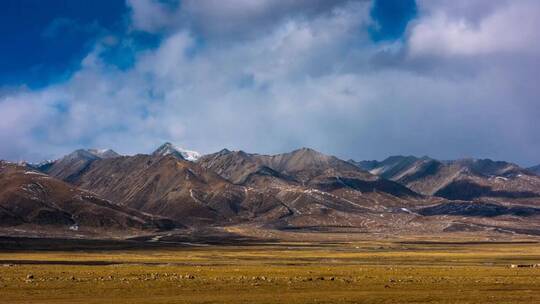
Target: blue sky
44 41
357 79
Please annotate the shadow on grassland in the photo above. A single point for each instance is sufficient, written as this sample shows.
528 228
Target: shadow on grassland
174 239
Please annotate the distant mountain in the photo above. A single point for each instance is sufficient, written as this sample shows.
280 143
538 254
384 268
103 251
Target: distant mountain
305 164
390 167
173 187
72 165
479 209
366 165
535 170
103 153
305 167
41 166
300 190
170 149
242 168
295 188
463 179
32 199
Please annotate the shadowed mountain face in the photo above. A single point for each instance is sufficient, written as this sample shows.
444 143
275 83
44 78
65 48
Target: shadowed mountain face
183 190
535 170
464 179
28 197
305 167
179 153
306 164
103 153
303 189
69 167
234 187
389 167
478 209
240 168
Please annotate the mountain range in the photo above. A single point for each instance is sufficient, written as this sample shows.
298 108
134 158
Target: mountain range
464 179
170 149
34 200
535 169
100 192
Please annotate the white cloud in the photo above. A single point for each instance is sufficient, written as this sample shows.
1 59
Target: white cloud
151 15
308 81
510 27
225 20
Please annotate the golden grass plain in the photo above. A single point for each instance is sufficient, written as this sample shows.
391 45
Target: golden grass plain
293 272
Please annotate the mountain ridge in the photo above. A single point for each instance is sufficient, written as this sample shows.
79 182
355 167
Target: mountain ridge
535 169
306 188
29 197
464 179
304 166
73 164
170 149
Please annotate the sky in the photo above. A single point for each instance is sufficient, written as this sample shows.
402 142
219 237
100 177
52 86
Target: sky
353 78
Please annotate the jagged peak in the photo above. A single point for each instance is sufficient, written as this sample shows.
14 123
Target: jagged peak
305 151
535 169
92 154
166 145
168 148
242 153
80 153
224 151
104 153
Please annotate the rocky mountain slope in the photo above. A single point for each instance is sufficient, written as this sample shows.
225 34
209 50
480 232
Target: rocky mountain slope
302 189
72 165
535 170
298 188
305 167
31 198
464 179
242 168
168 186
170 149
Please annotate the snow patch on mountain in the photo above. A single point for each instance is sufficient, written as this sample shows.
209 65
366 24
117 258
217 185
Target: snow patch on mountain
170 149
103 153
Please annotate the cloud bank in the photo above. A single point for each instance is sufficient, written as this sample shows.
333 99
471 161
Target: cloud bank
269 76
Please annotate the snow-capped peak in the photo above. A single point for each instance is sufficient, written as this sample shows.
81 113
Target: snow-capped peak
37 164
103 153
170 149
